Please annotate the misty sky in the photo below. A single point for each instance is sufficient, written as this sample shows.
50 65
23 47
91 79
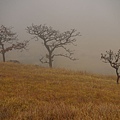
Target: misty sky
98 21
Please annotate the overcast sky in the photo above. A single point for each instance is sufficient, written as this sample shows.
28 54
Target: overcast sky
98 21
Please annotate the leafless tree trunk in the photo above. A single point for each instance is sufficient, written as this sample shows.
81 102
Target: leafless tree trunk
114 60
3 53
52 40
118 76
9 39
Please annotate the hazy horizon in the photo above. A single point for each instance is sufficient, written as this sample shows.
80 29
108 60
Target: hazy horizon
98 21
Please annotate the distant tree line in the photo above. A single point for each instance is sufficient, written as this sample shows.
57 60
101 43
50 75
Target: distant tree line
53 40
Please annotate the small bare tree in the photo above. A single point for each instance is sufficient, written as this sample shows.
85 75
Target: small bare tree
53 40
114 60
9 41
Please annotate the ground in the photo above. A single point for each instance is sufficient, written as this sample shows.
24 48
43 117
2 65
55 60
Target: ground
29 92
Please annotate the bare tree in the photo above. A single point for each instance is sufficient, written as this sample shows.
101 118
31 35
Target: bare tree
53 40
114 60
9 41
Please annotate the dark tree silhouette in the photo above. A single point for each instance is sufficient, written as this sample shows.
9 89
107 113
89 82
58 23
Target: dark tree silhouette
114 60
53 40
9 41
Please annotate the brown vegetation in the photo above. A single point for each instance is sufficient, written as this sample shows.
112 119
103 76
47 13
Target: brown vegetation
35 93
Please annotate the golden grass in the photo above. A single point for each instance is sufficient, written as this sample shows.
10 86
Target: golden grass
29 92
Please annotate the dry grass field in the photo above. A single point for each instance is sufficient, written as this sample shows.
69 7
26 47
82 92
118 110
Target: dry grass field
29 92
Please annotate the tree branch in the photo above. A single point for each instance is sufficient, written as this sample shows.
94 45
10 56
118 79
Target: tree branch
65 55
42 60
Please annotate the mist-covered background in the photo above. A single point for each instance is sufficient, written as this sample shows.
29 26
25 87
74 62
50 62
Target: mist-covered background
98 21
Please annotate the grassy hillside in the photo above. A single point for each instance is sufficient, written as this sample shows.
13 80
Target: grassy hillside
35 93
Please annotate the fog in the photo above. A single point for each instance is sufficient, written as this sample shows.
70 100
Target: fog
98 21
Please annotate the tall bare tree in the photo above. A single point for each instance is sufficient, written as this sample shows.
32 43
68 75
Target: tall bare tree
53 40
114 60
9 41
